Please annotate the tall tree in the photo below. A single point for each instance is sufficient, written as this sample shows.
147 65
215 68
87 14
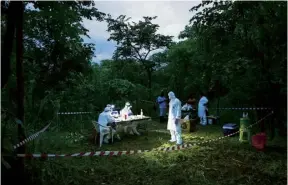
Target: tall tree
136 40
54 38
237 41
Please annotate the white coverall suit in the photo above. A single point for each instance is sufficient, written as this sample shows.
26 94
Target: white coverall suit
202 110
126 110
174 117
103 119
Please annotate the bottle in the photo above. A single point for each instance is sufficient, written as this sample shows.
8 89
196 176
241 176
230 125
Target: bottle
243 115
141 113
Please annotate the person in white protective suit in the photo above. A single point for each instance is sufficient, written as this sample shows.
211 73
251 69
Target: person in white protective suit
202 107
111 117
111 107
187 107
126 110
174 117
103 120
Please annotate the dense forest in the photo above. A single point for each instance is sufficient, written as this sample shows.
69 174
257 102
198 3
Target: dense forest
235 52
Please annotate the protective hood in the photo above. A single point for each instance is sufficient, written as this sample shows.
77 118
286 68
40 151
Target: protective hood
107 109
171 95
127 104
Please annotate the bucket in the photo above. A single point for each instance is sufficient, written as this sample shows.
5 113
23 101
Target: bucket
259 141
210 121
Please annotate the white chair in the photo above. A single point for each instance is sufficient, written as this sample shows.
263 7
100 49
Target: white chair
106 131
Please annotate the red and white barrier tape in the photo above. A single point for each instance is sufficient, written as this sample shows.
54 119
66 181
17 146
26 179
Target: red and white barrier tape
243 108
251 108
30 138
120 153
74 112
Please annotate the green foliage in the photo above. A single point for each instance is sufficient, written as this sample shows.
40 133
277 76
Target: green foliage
136 40
235 51
231 43
58 49
221 162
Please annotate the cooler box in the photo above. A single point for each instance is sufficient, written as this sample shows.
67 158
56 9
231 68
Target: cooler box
230 128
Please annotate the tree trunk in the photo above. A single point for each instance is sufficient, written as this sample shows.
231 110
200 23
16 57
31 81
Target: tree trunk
149 75
20 81
8 44
15 20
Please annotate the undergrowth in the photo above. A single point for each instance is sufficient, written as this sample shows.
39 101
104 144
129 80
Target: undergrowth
222 162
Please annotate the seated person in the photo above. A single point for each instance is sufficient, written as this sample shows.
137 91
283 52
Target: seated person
186 107
126 110
114 113
104 120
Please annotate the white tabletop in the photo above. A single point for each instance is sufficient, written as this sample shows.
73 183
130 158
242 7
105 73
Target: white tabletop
132 118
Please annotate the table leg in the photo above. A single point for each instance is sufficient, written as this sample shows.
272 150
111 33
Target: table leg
127 129
134 128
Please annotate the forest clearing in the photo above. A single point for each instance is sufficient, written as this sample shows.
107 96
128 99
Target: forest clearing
55 83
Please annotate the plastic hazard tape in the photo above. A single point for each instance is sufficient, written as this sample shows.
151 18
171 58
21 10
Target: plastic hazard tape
74 112
121 153
256 108
30 138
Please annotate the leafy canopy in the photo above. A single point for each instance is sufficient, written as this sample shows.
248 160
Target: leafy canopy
136 39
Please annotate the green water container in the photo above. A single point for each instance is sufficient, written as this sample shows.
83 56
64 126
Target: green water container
245 132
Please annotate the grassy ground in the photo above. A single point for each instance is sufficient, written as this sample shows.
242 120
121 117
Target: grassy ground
223 162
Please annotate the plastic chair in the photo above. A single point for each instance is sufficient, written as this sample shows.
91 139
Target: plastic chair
104 132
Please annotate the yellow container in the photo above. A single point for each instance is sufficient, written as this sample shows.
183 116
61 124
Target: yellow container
188 125
185 125
244 132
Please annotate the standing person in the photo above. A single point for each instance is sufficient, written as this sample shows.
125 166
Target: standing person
161 100
190 104
202 108
191 101
174 117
